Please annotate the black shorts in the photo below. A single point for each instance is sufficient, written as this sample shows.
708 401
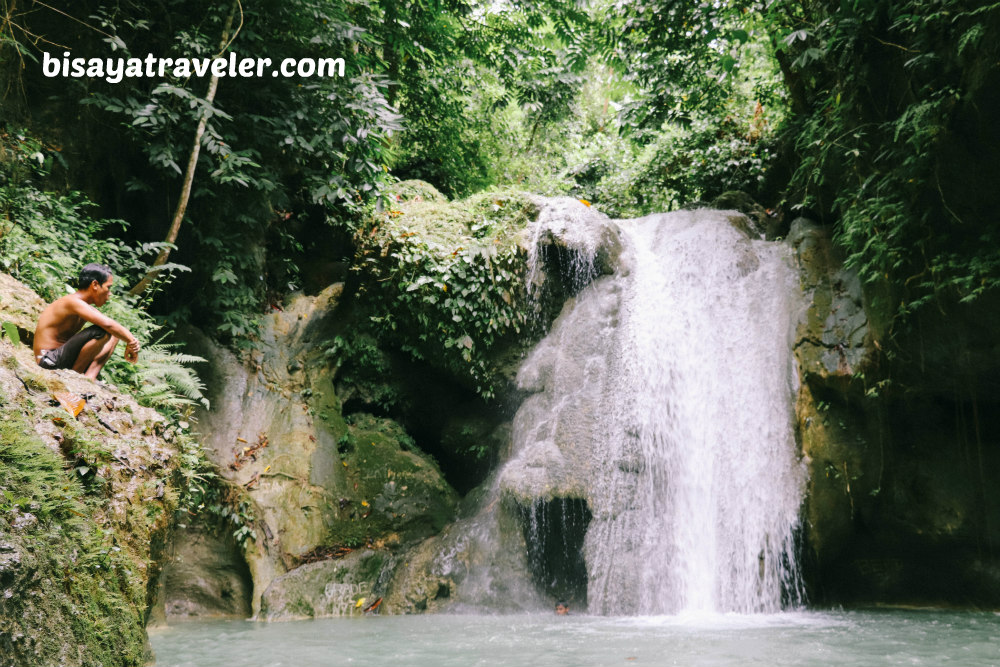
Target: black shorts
65 355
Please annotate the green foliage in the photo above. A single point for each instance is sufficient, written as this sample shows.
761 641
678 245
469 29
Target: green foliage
50 236
685 58
446 281
162 378
8 329
208 498
365 368
42 246
892 101
46 237
600 153
270 178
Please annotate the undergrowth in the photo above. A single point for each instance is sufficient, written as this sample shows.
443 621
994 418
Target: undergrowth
445 281
45 238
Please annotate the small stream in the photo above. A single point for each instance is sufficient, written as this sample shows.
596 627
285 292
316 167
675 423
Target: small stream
848 639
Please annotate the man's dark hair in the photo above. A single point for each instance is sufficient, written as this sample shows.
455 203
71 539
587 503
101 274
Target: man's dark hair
92 272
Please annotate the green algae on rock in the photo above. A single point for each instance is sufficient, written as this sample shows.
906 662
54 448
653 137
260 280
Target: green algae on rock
85 506
445 280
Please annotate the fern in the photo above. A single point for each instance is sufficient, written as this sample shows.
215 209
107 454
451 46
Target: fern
161 378
168 379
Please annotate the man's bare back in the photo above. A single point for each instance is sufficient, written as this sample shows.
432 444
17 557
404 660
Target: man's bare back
59 341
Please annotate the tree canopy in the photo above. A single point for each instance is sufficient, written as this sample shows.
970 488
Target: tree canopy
870 115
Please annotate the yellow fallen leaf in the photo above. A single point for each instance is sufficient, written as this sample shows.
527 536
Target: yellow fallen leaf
71 403
585 202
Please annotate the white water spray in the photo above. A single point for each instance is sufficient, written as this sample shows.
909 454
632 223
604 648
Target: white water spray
665 402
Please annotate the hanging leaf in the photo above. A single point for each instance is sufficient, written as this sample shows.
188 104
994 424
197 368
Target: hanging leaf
12 332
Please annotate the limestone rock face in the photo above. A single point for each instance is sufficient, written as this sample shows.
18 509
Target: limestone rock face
327 588
478 562
902 449
87 504
570 245
420 584
832 343
204 575
316 480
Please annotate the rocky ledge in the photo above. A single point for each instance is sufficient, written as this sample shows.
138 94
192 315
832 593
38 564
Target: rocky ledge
85 505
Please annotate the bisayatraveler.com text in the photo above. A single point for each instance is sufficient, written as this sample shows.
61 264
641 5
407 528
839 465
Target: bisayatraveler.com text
114 70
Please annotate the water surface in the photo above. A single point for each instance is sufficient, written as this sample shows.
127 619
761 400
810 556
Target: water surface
849 639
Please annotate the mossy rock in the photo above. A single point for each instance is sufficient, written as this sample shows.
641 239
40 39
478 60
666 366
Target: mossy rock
84 511
488 219
335 587
413 190
397 493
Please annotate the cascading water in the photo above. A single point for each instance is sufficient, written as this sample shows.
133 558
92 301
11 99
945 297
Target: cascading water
663 401
702 409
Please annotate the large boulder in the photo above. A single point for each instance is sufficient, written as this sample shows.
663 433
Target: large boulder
335 587
314 480
900 446
87 503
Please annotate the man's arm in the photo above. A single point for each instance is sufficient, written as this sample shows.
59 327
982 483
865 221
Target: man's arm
94 316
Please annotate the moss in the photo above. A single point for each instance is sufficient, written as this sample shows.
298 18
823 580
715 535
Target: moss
301 607
34 381
492 218
394 490
414 190
78 567
371 567
84 582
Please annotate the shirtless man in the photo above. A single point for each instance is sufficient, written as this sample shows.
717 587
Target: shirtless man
59 343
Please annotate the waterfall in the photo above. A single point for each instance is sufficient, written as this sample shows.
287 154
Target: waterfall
663 400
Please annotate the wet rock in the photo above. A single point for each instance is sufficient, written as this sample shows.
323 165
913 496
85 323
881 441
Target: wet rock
754 222
902 469
420 586
205 575
569 246
833 343
556 460
326 588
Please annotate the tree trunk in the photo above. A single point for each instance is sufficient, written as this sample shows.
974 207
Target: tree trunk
182 202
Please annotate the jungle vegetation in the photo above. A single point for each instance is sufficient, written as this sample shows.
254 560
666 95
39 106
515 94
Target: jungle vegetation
874 117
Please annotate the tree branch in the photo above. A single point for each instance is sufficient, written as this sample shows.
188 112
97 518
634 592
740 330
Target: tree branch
182 202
